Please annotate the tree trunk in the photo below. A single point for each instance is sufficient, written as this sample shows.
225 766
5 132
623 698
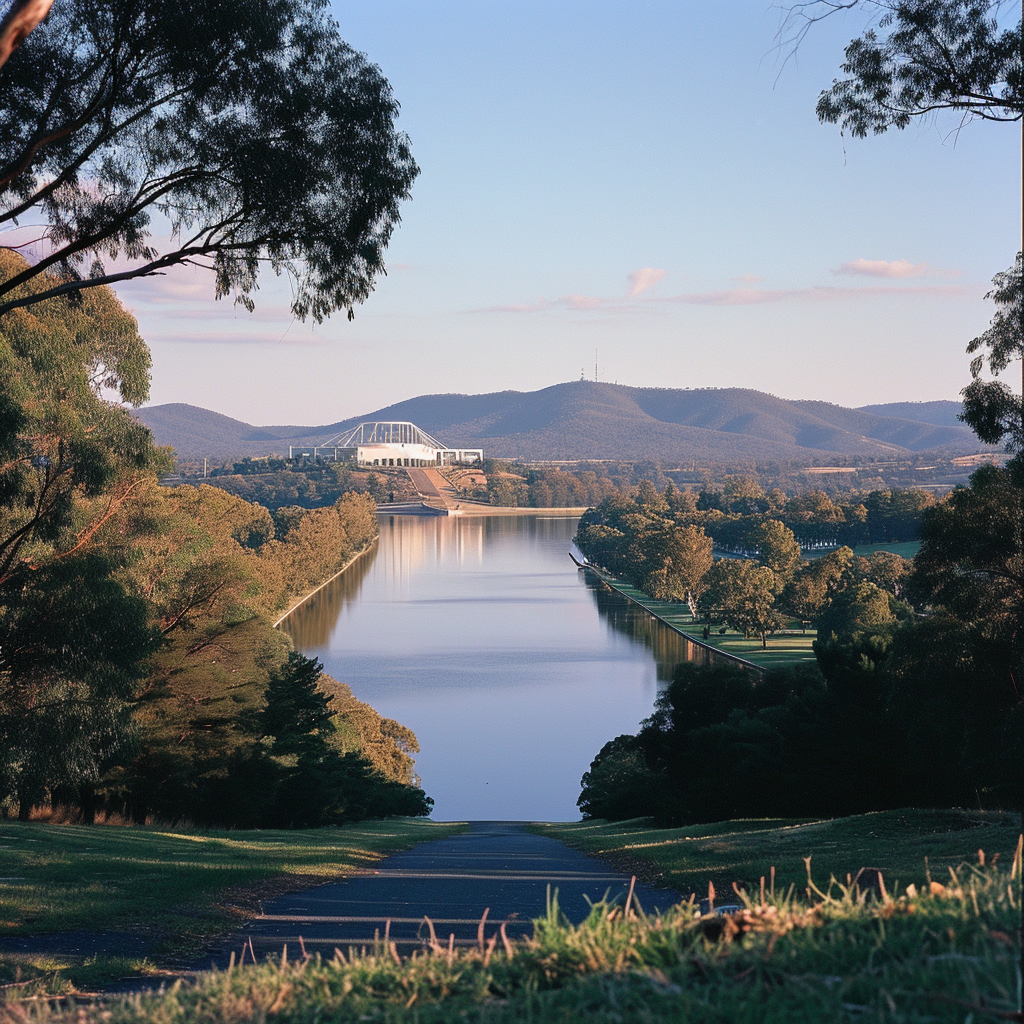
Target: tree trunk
24 810
87 803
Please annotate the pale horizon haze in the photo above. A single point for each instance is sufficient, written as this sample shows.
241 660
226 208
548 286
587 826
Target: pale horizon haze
643 180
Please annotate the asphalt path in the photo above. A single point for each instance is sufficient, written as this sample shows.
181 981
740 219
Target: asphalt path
497 867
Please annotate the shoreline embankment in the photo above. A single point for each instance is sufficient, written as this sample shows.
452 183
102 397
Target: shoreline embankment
352 561
760 659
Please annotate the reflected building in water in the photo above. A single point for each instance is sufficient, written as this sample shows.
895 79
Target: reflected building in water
417 546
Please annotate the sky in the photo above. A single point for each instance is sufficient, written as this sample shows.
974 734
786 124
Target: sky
647 182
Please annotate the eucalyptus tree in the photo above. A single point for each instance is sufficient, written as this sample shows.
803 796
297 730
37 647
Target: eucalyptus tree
143 134
991 409
73 637
916 58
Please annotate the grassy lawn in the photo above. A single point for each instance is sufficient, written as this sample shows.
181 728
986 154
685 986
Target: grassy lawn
785 648
897 842
904 548
942 953
171 889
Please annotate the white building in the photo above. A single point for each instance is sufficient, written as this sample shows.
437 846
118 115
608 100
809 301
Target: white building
387 444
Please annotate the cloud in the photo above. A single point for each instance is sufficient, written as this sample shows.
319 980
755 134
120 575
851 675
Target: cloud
175 286
746 279
758 296
291 336
735 297
884 268
642 279
579 303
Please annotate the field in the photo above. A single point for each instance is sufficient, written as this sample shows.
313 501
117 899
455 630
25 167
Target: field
906 845
161 893
940 952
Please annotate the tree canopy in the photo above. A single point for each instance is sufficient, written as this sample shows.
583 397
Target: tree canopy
247 131
921 56
991 409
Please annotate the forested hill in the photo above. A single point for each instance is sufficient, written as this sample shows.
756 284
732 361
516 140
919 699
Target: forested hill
587 420
942 414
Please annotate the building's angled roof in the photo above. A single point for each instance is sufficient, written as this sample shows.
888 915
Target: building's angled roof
387 432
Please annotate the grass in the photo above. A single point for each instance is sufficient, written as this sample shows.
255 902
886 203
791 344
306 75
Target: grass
787 648
164 891
898 842
941 953
904 548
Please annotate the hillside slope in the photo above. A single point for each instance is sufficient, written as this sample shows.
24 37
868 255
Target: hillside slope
587 420
942 414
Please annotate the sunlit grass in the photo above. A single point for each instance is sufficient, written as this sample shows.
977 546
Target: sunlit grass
898 842
942 952
171 888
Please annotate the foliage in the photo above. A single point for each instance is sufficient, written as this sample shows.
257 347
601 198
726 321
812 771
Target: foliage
252 129
616 775
972 556
826 954
934 55
777 548
859 608
74 638
815 584
663 546
742 594
896 714
680 560
313 485
991 409
304 781
215 577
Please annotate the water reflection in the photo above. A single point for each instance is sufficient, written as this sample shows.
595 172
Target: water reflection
668 647
480 635
320 614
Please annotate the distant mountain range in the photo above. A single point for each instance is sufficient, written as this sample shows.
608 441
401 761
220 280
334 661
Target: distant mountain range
588 420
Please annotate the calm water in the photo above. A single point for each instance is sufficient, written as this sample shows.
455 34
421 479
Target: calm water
511 666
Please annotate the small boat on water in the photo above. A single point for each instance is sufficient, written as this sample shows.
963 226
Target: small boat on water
577 556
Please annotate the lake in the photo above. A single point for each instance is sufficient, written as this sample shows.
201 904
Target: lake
512 666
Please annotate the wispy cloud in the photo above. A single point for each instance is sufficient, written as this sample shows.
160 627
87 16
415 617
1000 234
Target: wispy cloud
579 303
642 279
733 297
892 268
758 296
746 279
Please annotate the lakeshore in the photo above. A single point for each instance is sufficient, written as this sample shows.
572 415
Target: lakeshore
302 600
788 647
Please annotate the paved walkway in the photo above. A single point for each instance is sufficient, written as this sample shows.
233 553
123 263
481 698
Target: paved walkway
433 486
496 867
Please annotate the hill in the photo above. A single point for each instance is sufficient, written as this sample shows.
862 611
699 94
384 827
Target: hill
588 420
942 414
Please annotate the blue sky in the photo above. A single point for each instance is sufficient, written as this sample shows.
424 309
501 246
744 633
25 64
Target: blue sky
640 179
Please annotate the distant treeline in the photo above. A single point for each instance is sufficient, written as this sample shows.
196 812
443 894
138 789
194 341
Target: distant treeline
139 669
663 544
718 488
902 709
277 483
